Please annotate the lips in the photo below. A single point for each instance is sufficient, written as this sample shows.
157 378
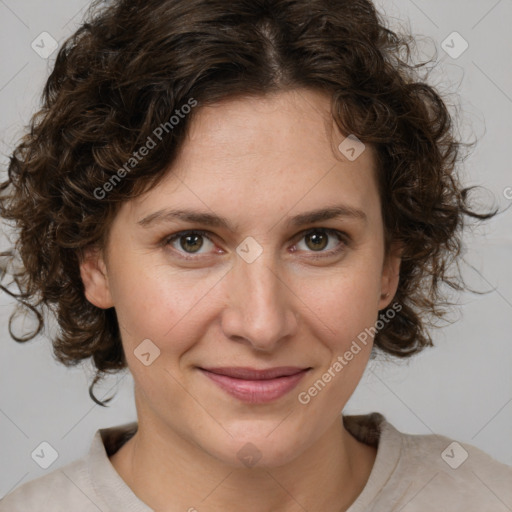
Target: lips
255 386
245 373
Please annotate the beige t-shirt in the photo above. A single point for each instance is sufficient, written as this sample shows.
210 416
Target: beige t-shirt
412 473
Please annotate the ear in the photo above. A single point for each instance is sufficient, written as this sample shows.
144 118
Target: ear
93 272
390 275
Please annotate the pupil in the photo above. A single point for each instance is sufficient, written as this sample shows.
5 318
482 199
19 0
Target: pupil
197 245
315 237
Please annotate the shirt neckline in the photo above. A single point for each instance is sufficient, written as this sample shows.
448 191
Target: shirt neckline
389 442
106 481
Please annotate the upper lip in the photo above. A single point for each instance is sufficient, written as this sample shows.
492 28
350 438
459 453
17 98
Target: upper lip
247 373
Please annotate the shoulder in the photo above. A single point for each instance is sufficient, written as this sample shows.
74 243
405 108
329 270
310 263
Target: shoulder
64 489
61 490
85 485
418 473
451 475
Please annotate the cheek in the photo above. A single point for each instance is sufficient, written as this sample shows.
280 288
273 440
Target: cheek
344 313
167 309
345 302
157 303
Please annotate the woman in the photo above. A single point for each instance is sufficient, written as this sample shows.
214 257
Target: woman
240 202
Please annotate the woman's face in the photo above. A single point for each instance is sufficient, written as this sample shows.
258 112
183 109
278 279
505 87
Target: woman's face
263 287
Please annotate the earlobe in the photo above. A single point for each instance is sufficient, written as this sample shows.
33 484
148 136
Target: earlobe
94 277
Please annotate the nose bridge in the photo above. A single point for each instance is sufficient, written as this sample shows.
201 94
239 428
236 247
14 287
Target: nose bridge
261 280
260 309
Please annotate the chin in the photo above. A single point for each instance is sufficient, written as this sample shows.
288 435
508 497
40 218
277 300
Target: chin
258 451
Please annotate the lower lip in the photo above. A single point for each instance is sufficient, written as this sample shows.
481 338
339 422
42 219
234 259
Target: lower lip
256 391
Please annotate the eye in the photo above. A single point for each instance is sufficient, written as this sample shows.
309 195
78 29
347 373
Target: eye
318 239
189 243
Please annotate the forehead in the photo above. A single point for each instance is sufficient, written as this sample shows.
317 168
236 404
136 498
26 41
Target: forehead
257 155
289 125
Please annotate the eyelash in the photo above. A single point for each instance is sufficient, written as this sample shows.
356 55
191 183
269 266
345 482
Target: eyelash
342 237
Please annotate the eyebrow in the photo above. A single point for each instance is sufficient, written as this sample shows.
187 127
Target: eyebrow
208 219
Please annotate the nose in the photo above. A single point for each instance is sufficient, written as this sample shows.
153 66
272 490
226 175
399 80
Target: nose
260 309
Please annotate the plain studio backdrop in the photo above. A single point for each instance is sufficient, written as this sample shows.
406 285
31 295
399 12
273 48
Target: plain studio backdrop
461 388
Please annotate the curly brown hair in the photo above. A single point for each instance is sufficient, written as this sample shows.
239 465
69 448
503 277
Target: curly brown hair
133 63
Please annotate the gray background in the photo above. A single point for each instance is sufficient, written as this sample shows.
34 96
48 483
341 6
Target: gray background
462 388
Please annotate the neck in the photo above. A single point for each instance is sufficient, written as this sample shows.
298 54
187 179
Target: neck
329 475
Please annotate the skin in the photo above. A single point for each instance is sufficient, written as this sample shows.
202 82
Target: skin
257 162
